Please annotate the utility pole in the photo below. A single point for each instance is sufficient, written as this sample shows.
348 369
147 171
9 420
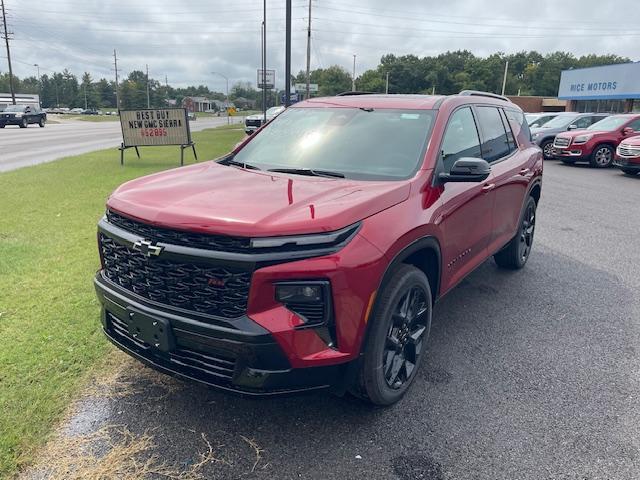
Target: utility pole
85 96
386 88
287 56
308 51
148 103
264 61
227 100
115 66
6 40
353 78
504 79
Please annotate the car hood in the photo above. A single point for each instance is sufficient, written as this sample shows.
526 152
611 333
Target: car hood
577 133
214 198
546 130
632 141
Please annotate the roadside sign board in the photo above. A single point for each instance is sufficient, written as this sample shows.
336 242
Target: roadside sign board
293 98
302 87
153 127
269 79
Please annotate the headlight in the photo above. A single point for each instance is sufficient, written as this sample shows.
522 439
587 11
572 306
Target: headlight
18 114
582 139
318 240
310 300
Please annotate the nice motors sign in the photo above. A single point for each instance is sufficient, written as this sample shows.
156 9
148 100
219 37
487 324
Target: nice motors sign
605 83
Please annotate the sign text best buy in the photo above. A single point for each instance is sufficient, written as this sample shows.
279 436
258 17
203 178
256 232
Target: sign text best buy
151 127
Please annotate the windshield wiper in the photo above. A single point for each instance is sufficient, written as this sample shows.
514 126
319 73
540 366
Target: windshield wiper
235 163
309 171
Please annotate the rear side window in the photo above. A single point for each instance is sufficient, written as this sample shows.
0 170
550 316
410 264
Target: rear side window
460 138
495 143
519 124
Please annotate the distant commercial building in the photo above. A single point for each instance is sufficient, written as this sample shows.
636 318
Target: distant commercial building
197 104
21 99
530 103
610 88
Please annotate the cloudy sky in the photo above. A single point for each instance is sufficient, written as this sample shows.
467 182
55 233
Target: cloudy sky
187 40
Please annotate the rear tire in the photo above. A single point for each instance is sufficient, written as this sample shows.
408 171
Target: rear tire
397 338
630 171
602 156
41 123
515 254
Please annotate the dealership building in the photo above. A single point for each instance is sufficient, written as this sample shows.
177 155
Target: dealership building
610 88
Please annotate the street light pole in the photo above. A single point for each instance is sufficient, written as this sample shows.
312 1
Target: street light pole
287 56
39 81
386 88
353 79
227 80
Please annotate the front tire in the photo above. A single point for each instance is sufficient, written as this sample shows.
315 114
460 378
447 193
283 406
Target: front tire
515 254
602 156
547 149
396 343
24 123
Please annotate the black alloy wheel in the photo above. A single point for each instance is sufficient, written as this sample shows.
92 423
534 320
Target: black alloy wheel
527 230
405 338
602 156
396 341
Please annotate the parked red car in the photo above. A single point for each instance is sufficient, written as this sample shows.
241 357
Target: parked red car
628 156
597 143
311 256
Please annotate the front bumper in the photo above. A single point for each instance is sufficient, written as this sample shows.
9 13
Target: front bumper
572 152
628 163
238 356
11 121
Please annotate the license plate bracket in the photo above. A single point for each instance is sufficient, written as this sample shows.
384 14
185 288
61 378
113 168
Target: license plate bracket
153 331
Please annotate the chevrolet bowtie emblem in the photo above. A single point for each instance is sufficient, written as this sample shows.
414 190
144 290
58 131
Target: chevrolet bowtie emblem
146 248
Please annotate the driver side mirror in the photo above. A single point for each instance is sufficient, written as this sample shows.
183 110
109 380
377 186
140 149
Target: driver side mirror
535 125
573 126
467 169
628 131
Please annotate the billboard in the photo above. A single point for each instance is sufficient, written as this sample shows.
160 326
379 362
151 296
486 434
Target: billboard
270 79
155 126
302 87
611 82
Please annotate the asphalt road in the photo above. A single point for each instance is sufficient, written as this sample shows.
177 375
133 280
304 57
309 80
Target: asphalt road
21 147
530 375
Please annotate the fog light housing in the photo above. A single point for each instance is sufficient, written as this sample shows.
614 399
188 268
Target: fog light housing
293 293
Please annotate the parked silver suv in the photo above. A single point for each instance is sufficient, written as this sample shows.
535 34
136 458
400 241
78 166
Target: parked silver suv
544 136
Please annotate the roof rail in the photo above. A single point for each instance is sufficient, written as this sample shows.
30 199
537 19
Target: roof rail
477 93
346 94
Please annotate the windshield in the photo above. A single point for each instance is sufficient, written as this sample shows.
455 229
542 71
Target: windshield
14 108
362 144
560 121
609 124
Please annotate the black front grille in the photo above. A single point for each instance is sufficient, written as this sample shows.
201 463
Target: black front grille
221 243
186 360
200 287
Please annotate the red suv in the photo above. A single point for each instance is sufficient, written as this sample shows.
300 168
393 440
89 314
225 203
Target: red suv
597 143
628 156
311 256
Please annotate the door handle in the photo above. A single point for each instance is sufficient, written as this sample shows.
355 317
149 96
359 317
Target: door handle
488 187
524 171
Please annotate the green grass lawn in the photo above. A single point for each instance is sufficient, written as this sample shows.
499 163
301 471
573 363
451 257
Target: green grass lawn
49 317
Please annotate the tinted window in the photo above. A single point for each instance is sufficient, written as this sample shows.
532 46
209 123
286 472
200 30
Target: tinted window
460 139
495 144
583 122
518 123
363 144
610 124
512 142
635 125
